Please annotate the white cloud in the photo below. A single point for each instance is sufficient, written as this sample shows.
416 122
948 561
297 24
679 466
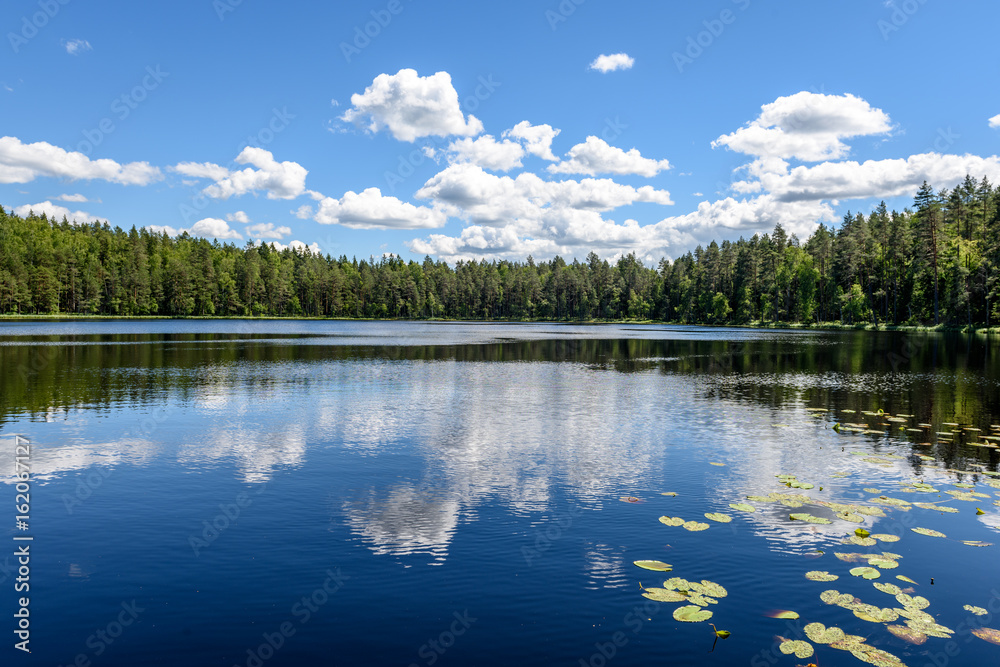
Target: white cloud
54 212
296 245
596 156
808 127
304 212
161 229
22 163
610 63
995 121
77 46
281 180
486 152
371 210
213 228
268 231
239 216
874 178
537 139
411 106
73 198
208 170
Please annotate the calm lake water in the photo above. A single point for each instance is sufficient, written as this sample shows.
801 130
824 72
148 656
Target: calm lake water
305 493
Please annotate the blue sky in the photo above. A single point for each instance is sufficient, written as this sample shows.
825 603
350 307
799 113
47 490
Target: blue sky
467 130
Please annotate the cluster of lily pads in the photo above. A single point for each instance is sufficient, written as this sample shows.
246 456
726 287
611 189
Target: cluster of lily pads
698 595
906 617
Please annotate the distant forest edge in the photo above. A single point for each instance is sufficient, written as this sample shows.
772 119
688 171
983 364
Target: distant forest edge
936 264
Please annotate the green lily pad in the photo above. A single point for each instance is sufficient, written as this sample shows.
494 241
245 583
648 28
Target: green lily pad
820 634
654 565
866 572
916 602
716 516
939 508
709 588
977 543
663 595
883 563
783 614
743 507
714 463
821 575
885 537
677 583
694 526
808 518
928 532
861 541
906 579
800 648
691 614
669 493
869 489
891 589
672 520
978 611
861 532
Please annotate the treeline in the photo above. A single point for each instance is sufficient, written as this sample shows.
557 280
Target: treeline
937 263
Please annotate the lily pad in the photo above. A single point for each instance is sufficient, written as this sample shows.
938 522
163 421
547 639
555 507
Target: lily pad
654 565
820 634
866 572
907 634
716 516
709 588
915 602
672 520
808 518
663 595
715 463
821 575
783 614
694 526
978 611
988 634
691 614
743 507
885 537
928 532
906 579
861 541
800 648
669 493
977 543
891 589
861 532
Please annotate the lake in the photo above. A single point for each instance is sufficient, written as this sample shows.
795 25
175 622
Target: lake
401 493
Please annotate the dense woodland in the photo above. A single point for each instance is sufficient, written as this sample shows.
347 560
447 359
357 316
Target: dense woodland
937 263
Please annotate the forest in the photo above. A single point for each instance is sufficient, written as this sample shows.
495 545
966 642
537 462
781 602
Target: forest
936 263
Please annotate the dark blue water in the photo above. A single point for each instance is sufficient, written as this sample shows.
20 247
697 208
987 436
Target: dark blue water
300 493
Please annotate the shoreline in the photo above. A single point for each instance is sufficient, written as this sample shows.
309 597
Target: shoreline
823 326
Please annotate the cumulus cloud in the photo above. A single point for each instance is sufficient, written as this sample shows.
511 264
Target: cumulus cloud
280 180
213 228
268 231
874 178
411 106
54 212
73 198
808 127
23 163
596 156
995 121
371 210
77 46
239 216
487 152
296 245
610 63
537 139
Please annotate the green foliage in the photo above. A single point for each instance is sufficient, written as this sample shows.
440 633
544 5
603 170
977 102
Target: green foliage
937 264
